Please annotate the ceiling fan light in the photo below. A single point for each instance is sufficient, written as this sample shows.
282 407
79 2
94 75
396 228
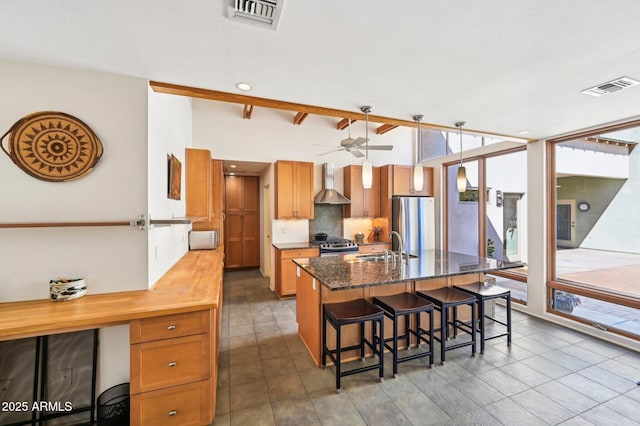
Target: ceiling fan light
367 174
418 177
462 179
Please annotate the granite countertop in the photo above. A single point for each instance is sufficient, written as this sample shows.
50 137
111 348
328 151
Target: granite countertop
294 246
344 272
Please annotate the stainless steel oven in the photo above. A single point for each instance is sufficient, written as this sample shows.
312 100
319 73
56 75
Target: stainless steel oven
336 247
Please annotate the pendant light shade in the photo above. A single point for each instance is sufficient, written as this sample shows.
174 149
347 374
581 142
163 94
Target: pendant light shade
418 171
462 172
367 170
367 174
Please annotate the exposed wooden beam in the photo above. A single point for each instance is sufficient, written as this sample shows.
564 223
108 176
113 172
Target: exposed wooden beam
299 118
385 128
248 110
214 95
344 123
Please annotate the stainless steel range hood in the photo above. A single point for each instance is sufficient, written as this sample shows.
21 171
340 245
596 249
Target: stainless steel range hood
327 194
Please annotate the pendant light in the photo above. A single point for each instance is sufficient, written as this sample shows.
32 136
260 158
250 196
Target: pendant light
367 171
462 173
418 171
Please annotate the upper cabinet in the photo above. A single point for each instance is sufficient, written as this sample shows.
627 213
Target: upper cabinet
364 202
203 189
400 180
294 190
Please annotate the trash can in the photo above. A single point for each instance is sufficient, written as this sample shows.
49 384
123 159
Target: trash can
113 406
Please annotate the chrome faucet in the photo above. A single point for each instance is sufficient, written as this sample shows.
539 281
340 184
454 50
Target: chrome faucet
400 244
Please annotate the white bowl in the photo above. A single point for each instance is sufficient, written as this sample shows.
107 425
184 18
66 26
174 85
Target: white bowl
71 289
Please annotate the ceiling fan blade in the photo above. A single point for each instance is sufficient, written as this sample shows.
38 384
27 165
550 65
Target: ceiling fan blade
330 152
359 141
356 152
325 145
380 147
347 142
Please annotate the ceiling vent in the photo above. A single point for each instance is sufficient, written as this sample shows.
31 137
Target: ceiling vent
611 86
262 13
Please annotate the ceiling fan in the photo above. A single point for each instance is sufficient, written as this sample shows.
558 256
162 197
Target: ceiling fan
353 146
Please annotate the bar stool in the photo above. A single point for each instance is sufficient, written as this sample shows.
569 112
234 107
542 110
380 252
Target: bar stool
483 292
443 299
405 305
358 311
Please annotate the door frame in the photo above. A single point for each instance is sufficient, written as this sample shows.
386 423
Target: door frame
572 241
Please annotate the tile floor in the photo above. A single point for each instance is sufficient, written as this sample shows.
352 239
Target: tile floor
549 376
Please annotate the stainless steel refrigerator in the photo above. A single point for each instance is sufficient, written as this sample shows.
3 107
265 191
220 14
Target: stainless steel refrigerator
414 219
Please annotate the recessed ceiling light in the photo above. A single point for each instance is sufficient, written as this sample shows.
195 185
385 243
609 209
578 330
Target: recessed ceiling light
232 174
243 86
233 166
524 132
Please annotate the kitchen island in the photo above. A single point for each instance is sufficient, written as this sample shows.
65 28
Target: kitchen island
342 278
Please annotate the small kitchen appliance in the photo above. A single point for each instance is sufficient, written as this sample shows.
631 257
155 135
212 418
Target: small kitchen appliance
203 240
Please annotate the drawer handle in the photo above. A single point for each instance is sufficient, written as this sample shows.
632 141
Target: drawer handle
172 364
171 327
172 413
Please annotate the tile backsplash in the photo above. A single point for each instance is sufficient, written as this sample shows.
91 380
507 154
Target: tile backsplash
328 219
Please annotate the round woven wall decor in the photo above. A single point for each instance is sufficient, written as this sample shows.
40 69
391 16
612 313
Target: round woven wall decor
53 146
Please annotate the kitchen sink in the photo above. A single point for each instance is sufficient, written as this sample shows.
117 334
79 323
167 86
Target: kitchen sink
376 257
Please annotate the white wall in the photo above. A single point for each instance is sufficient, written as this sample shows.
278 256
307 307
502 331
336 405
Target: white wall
111 259
170 132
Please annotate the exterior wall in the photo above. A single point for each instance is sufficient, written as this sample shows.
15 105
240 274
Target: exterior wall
618 229
599 193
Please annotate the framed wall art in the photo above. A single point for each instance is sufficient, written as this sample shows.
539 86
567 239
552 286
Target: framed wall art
174 174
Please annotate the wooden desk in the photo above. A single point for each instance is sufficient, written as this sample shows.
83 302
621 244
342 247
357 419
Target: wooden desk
181 311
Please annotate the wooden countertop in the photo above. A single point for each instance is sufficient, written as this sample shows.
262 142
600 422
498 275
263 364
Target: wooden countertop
192 284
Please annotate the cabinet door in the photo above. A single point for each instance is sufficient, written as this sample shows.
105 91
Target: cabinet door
402 180
303 190
197 178
288 284
353 190
371 199
427 188
284 200
364 202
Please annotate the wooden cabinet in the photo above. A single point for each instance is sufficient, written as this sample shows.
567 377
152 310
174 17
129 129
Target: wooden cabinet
293 190
399 180
242 222
173 358
373 248
204 197
364 202
286 269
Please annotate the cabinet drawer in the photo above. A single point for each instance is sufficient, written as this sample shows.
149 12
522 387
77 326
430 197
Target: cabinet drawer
171 362
184 405
372 248
169 326
298 253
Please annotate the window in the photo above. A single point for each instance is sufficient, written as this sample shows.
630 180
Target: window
501 223
595 230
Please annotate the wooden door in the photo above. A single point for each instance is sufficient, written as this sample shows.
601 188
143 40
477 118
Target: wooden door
371 197
402 178
197 188
242 222
233 222
250 221
284 200
303 190
353 190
